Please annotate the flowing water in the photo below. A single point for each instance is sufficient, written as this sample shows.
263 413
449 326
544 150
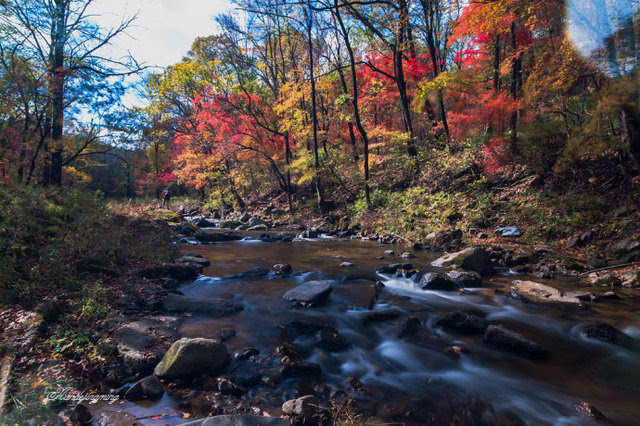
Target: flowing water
407 379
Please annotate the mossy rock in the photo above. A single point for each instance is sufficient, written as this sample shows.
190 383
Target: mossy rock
164 215
230 224
191 357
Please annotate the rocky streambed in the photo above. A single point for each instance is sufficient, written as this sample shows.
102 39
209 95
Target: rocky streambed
319 328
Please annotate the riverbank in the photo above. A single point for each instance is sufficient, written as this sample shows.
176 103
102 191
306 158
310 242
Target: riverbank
128 307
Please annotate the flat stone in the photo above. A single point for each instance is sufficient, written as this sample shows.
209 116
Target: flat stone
541 294
309 292
215 308
240 420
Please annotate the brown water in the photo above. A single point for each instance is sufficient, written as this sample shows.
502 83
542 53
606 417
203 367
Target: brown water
402 376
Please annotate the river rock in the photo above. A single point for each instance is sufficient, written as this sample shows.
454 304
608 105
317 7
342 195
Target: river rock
225 334
513 342
465 278
201 261
282 269
177 272
407 255
300 370
436 281
147 388
214 308
256 221
631 279
313 292
285 237
471 259
392 269
251 274
465 322
240 420
309 233
258 228
607 333
211 237
588 410
533 292
331 340
410 326
296 328
228 387
443 239
347 265
306 409
203 223
189 357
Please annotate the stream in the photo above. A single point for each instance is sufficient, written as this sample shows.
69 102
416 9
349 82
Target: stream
408 380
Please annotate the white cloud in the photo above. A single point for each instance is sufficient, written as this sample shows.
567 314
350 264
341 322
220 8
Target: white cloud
164 30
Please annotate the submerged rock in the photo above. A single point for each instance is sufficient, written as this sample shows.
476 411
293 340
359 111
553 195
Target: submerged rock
251 274
465 322
513 342
211 237
189 357
313 292
331 340
215 308
607 333
300 370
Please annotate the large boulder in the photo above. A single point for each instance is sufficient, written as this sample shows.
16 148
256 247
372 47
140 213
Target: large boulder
312 292
190 357
215 308
147 388
470 259
436 281
513 342
541 294
240 420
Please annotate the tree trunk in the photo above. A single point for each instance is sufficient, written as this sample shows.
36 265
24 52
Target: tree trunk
354 103
398 65
57 91
314 111
516 67
630 132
